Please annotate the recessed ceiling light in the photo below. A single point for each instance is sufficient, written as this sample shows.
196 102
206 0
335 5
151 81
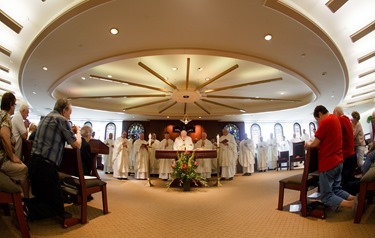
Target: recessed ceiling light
332 96
34 92
242 110
167 116
114 31
83 78
109 76
45 68
282 93
268 37
200 69
207 79
174 68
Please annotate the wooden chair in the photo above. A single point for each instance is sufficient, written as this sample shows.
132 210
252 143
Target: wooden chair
302 182
298 153
27 145
283 158
78 186
11 193
366 192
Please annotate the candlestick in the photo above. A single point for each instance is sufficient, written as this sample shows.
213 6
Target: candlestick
149 139
217 140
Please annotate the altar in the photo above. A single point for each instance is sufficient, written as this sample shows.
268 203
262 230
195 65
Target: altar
198 154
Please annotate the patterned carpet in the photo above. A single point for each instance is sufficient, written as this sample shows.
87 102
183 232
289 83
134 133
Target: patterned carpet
244 207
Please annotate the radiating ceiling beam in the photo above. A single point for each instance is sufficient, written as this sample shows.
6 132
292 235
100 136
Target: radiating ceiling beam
5 51
167 107
242 85
363 93
145 104
185 107
3 68
366 73
120 96
366 57
220 104
252 98
187 72
129 83
10 22
335 5
365 84
148 69
218 76
5 81
201 107
363 31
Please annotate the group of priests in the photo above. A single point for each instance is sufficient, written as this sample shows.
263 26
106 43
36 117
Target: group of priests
128 156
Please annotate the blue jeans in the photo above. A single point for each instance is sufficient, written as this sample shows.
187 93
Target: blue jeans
330 187
370 158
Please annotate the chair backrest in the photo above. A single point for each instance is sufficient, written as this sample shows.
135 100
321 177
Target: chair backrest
299 149
284 155
27 145
71 163
311 163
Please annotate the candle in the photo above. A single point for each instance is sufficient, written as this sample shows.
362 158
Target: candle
149 139
217 140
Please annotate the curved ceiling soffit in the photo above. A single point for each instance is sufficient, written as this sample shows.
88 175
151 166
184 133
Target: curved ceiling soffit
234 55
283 8
54 24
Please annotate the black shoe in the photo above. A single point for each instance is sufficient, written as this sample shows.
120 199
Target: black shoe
64 216
106 172
231 178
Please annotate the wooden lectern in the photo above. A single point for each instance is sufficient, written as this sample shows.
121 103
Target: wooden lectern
97 147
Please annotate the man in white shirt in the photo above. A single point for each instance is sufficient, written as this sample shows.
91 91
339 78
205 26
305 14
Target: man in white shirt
227 155
204 165
183 142
165 169
272 152
247 156
154 166
110 142
19 128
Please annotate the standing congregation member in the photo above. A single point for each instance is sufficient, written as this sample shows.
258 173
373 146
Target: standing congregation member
227 155
272 152
183 142
262 155
120 159
247 156
46 155
20 124
155 143
204 165
141 158
348 182
108 165
165 168
10 163
328 139
359 138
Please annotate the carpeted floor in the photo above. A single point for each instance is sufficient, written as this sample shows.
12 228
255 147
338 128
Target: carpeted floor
244 207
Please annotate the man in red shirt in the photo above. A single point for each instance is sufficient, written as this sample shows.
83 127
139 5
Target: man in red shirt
328 139
348 182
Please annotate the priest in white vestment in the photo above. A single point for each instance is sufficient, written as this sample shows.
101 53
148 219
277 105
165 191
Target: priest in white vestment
108 166
272 152
183 142
155 143
204 165
141 157
120 157
227 155
247 156
165 168
262 155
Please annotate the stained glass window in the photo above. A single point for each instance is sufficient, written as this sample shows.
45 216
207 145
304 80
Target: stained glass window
256 133
88 123
135 129
233 129
110 128
278 132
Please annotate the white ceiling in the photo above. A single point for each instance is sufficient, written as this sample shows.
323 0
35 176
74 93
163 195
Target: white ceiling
311 52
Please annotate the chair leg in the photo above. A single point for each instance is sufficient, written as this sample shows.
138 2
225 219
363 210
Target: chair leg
303 200
104 199
281 196
84 209
361 203
17 201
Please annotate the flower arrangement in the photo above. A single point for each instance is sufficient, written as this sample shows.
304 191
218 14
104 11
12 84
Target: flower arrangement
184 170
